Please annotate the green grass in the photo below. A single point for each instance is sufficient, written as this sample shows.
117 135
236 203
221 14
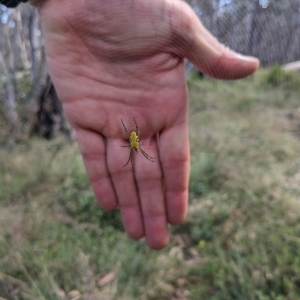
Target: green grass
241 239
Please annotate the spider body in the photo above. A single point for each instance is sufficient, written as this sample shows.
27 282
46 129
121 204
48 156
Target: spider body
135 145
134 140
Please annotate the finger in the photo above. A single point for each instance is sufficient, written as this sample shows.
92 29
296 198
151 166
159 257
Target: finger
175 162
93 151
150 188
206 52
124 184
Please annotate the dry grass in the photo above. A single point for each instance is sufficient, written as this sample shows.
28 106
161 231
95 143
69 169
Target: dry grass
241 239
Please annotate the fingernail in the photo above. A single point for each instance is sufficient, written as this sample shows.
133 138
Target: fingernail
247 58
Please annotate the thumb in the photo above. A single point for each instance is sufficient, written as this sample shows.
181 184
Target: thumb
210 56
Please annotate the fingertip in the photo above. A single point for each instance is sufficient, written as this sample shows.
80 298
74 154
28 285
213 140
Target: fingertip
134 234
132 221
177 203
105 194
230 66
107 205
248 59
157 234
158 243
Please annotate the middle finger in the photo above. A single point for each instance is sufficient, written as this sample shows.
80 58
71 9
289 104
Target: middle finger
149 181
124 184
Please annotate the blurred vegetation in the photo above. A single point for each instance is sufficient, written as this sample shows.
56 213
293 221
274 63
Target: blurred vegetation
241 239
276 76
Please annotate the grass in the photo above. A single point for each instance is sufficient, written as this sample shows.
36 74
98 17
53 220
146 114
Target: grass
241 239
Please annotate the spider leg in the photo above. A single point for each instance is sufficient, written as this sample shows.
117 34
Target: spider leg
124 126
152 159
132 161
130 158
137 129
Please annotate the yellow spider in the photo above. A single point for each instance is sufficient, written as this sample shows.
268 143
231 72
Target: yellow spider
135 145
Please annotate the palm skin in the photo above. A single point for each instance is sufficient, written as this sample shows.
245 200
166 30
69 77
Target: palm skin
113 60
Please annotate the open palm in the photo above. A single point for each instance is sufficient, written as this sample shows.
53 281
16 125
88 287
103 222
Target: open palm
116 59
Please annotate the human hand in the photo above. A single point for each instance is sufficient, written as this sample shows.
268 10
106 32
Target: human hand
116 59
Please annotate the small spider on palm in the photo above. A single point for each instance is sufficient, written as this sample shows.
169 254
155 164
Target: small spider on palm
135 145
